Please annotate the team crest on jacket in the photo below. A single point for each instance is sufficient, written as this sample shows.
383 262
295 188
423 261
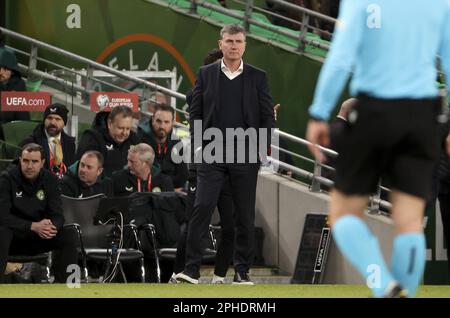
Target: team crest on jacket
40 195
156 189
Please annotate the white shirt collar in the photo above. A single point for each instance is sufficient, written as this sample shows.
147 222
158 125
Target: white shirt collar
50 138
228 73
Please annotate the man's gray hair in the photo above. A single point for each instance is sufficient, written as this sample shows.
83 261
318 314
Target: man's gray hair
145 152
232 29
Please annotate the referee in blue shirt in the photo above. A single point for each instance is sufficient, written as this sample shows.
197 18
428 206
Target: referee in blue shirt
391 48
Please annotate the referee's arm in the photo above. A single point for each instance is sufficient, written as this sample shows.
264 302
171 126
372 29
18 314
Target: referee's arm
341 58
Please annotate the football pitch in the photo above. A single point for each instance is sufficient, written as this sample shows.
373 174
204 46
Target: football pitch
200 291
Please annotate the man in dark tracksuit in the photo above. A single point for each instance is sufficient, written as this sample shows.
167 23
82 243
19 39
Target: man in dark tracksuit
229 95
51 131
110 135
157 132
85 177
31 216
138 175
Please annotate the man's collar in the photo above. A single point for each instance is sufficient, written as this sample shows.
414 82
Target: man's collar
50 138
223 67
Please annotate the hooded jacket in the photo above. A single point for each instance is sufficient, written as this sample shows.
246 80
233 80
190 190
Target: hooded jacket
15 83
72 186
98 138
23 201
176 171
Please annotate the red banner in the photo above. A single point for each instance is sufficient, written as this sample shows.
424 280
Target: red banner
104 101
25 101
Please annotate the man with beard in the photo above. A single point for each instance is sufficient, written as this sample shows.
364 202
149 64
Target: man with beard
59 148
110 135
84 178
157 132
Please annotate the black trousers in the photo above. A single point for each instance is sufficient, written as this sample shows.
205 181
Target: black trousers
441 191
225 248
64 245
210 179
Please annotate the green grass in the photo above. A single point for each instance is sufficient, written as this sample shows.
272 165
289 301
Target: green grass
200 291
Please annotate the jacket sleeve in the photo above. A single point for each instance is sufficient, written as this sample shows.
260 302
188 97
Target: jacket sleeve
181 175
88 142
66 188
196 109
166 183
108 187
54 203
8 219
266 115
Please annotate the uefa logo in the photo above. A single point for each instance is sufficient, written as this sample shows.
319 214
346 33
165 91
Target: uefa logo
102 101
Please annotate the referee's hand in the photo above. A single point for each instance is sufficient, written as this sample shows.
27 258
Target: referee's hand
317 133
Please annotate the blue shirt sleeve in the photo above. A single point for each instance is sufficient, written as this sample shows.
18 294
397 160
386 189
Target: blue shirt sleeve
340 59
444 50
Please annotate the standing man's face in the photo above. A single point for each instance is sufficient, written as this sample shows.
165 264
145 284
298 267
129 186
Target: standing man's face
31 164
232 46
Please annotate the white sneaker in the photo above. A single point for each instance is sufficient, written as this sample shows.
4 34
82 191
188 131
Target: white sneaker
217 280
173 279
184 278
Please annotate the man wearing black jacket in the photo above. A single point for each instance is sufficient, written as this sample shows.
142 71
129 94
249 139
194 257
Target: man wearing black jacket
31 216
138 176
59 147
157 132
110 135
229 96
10 80
85 177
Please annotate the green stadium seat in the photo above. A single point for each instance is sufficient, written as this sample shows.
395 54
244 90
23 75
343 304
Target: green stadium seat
15 132
33 86
36 116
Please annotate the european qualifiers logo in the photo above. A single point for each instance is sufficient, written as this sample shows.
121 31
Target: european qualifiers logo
105 101
25 101
148 53
102 101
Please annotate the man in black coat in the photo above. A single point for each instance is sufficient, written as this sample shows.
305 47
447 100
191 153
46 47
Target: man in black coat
157 132
31 216
228 96
10 80
59 147
85 177
138 175
110 135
